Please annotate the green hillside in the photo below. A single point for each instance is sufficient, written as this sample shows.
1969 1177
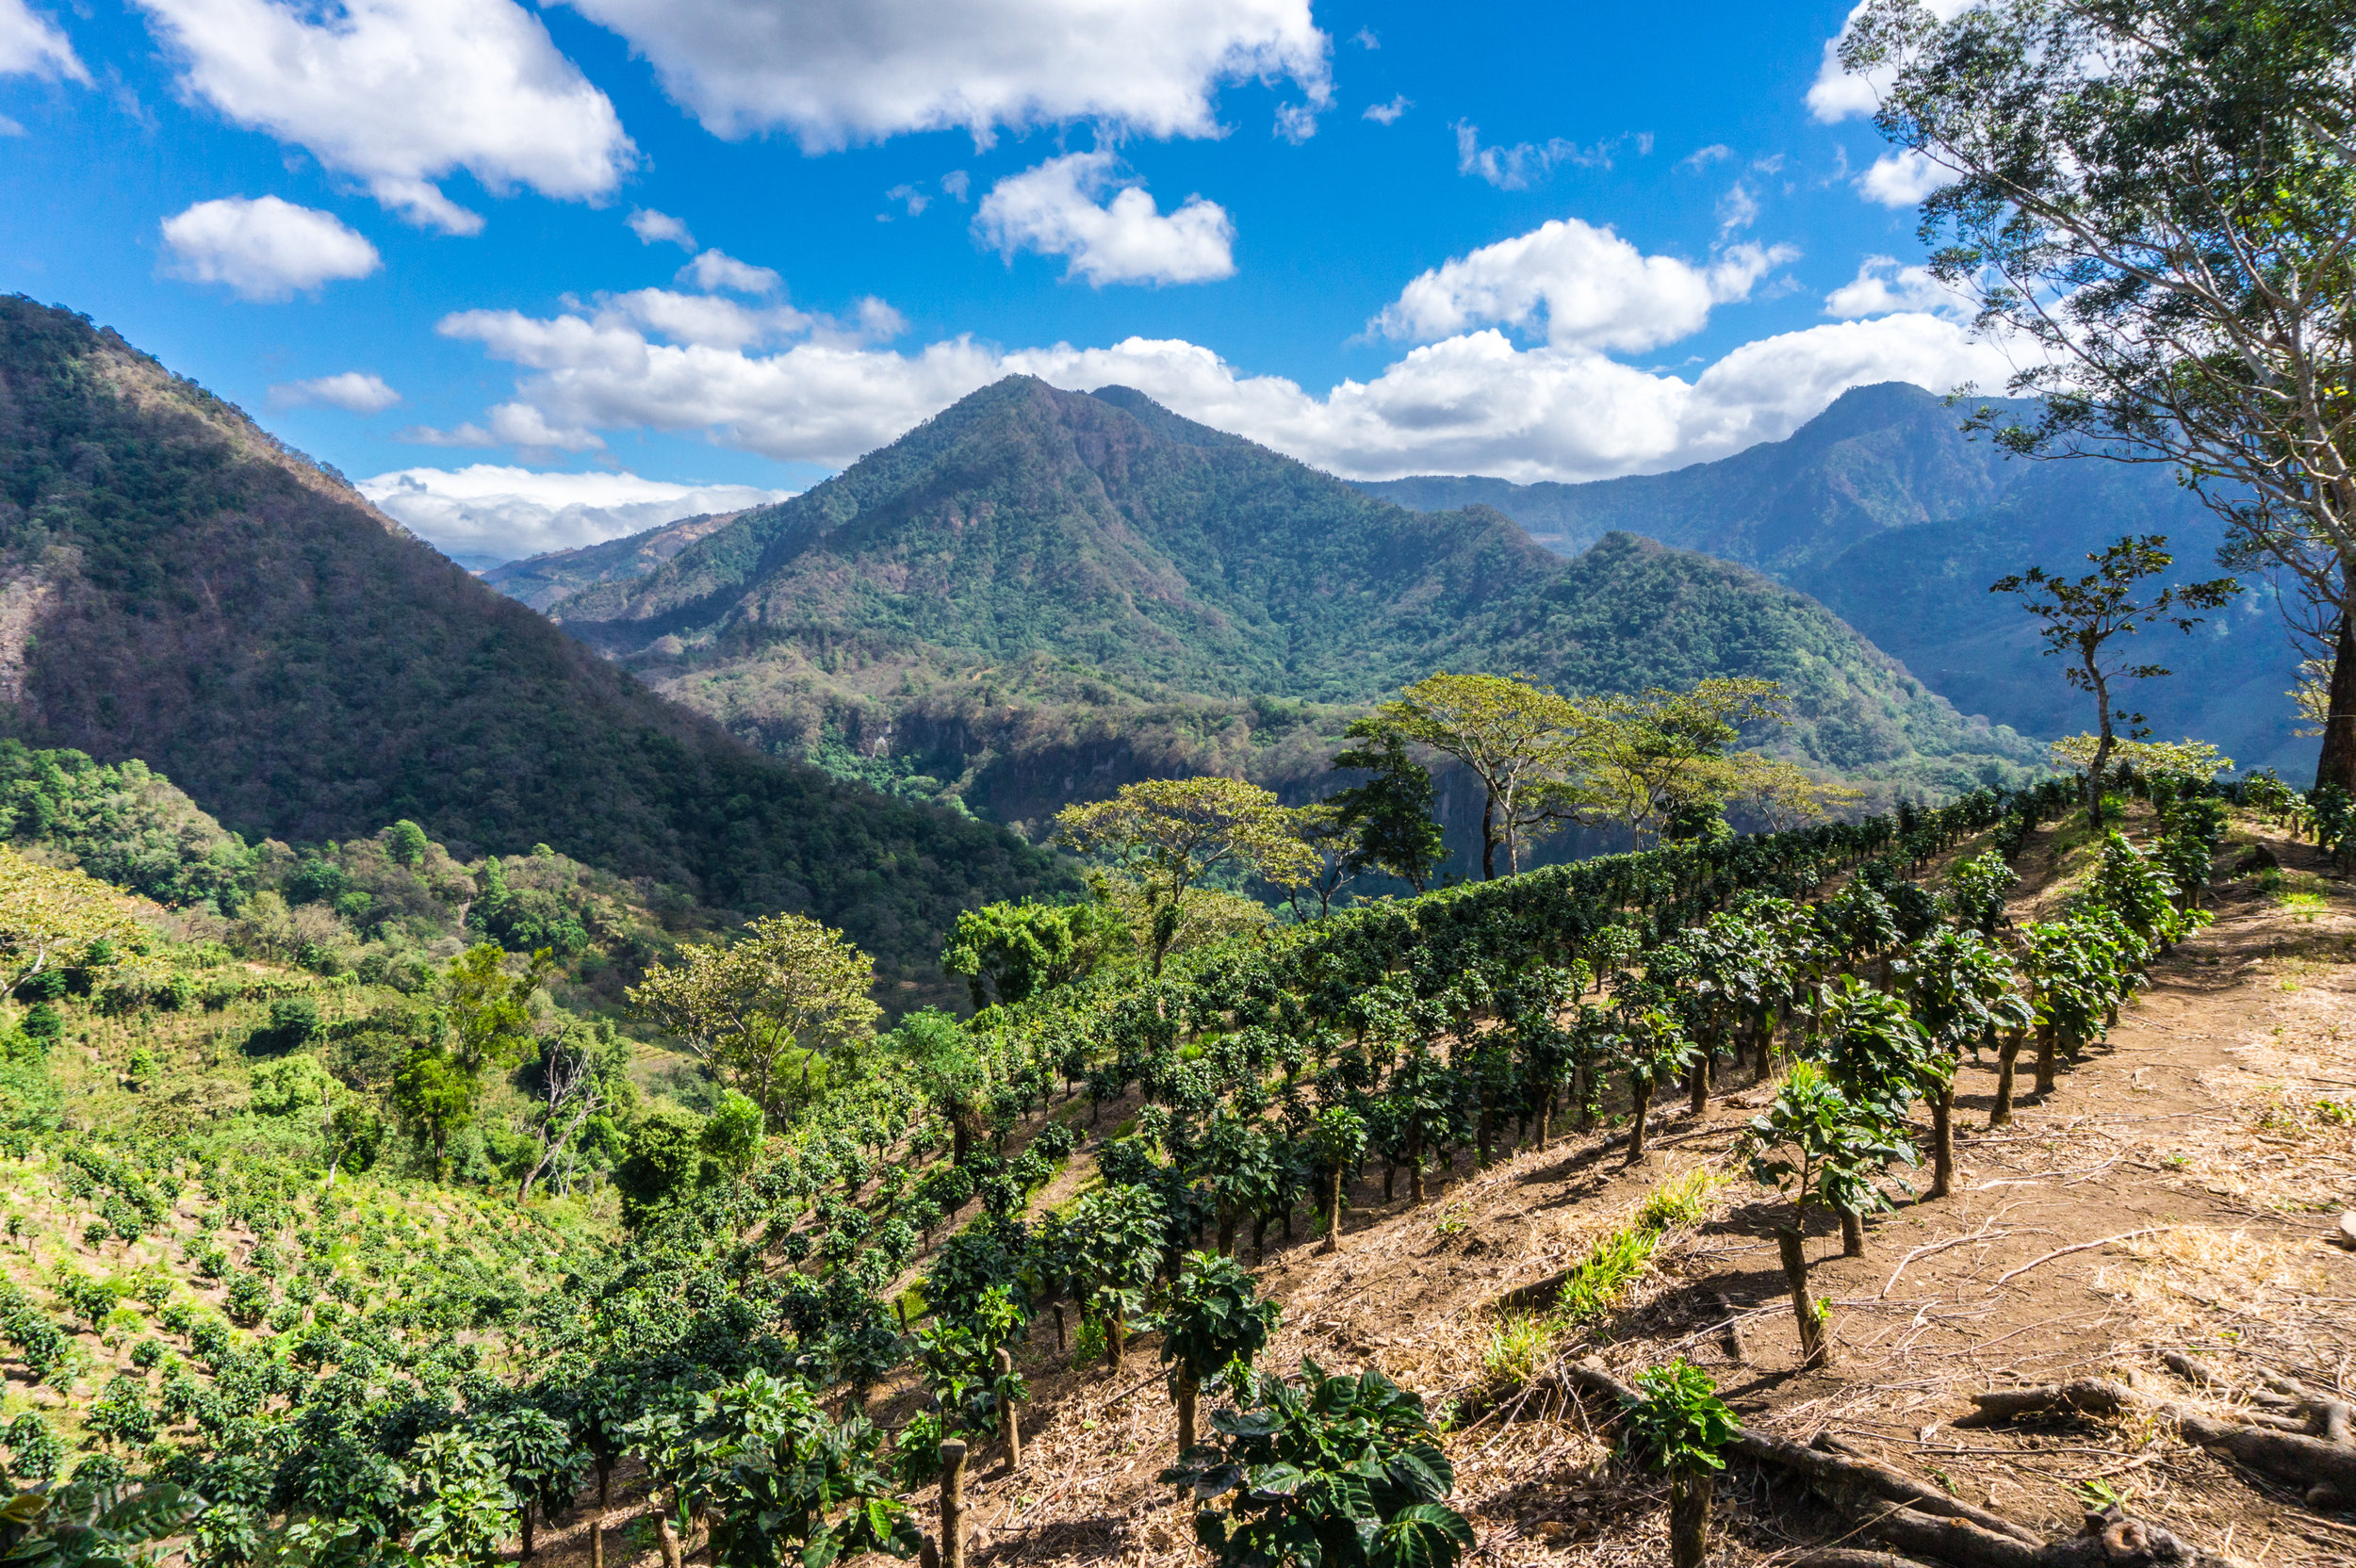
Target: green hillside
1883 511
1039 596
182 590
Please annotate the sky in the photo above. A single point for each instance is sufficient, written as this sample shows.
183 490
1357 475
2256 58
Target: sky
538 276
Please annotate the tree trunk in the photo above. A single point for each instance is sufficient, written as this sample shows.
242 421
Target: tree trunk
1852 1233
1697 1087
596 1543
1185 1392
1414 1162
605 1478
2104 740
1484 1136
2048 1057
1333 1213
1488 838
953 1504
1059 1310
1259 1239
2006 1054
524 1514
1688 1517
1639 1101
1943 1139
1116 1337
1226 1230
1003 1360
1815 1346
2337 764
665 1538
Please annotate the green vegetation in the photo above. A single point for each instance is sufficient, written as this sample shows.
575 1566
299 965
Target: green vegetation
1153 598
244 623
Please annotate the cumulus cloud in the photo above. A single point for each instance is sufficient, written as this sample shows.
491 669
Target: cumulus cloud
1059 209
833 72
659 228
354 391
1702 158
401 93
487 511
1900 179
1592 288
1473 402
31 46
1387 114
1521 166
714 269
1738 209
1882 286
264 249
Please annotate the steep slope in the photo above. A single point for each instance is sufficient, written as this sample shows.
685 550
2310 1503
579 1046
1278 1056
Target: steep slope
1880 457
1882 509
176 587
1037 595
544 580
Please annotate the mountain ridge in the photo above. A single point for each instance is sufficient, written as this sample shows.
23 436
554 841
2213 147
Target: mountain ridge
179 588
1038 593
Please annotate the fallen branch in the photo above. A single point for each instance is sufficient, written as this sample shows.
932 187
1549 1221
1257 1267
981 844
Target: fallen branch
1921 1520
1983 1233
2311 1454
2080 1246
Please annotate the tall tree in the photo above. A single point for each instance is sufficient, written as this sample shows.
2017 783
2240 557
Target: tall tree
786 986
2156 198
1663 753
1389 816
1176 832
2082 616
1521 741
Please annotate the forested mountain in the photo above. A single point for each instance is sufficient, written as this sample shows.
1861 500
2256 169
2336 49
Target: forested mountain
1884 511
1037 595
176 587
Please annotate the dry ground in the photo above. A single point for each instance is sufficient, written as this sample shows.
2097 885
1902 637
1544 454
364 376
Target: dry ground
2203 1152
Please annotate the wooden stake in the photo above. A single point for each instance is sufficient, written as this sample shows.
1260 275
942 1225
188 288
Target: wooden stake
953 1504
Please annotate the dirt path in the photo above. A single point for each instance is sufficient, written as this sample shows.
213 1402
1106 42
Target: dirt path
2211 1133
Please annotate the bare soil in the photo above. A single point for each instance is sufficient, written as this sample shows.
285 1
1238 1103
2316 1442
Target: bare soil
2174 1192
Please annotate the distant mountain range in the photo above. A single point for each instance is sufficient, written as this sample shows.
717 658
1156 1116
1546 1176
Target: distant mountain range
1884 511
176 587
1039 595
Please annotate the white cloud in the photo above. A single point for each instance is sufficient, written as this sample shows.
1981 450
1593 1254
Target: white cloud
1055 209
1738 209
914 200
652 228
354 391
1365 39
716 269
1470 403
487 509
1702 158
1296 123
837 71
1837 95
1518 167
1882 286
264 249
31 46
1387 114
1900 179
401 93
1595 290
956 183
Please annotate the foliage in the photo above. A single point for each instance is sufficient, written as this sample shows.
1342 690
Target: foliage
1389 817
786 986
1215 1324
1012 951
1175 832
2081 616
1520 741
1338 1472
1681 1423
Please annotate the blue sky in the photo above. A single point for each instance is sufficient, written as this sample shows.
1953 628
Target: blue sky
604 252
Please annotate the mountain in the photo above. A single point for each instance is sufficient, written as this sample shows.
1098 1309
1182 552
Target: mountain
544 580
1040 594
176 587
1882 509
